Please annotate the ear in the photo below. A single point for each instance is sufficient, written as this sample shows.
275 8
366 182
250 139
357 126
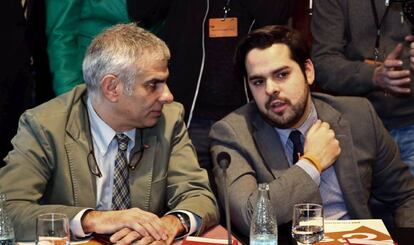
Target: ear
111 87
309 72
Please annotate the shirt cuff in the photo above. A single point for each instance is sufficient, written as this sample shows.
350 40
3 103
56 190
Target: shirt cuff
76 225
310 169
195 222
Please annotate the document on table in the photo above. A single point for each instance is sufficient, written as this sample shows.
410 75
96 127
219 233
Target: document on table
356 232
71 242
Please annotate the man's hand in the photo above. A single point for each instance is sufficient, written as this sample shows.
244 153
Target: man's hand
390 75
128 236
320 142
143 223
410 39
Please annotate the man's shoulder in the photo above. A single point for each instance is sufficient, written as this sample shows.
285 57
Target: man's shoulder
172 115
343 103
173 107
173 110
339 99
59 107
357 111
248 110
239 120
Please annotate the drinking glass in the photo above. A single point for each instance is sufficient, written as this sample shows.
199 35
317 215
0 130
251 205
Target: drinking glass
307 223
52 229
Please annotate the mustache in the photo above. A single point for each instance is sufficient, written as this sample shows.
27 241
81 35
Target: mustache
276 99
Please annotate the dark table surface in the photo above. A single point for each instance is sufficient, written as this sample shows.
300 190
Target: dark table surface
403 236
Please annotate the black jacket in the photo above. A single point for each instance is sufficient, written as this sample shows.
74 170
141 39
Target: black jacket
221 90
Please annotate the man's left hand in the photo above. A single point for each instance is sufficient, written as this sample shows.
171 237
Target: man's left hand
128 236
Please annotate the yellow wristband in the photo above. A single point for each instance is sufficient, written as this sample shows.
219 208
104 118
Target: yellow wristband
313 160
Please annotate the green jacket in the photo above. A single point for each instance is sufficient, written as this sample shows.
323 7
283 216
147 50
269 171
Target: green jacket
48 169
70 27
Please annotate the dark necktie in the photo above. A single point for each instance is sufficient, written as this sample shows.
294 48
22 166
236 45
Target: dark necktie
121 198
297 145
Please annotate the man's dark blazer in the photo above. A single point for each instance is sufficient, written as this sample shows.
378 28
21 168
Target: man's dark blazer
369 163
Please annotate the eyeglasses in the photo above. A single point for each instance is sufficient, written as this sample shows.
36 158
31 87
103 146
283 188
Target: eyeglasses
137 155
135 158
93 166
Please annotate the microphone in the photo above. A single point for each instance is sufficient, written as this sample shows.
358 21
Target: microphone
223 160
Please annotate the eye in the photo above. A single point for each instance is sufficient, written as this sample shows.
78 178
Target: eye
281 75
151 86
257 82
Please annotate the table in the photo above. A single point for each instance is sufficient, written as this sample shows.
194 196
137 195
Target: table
218 232
402 236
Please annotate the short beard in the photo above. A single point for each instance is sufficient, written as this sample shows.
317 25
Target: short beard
291 116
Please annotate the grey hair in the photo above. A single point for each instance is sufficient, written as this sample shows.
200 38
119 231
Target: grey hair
117 51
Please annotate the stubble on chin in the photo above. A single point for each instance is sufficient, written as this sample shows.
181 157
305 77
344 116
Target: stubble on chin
282 120
287 118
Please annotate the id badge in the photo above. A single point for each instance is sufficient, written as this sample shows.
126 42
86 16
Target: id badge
219 27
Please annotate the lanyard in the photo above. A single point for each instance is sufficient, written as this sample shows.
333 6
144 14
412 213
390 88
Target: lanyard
226 8
378 24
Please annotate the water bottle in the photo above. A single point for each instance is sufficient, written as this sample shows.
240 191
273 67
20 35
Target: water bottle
6 228
263 227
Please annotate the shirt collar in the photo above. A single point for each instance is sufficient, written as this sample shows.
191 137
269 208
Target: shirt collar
102 133
310 120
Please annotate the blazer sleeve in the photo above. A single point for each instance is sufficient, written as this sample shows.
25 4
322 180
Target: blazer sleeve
334 71
392 181
25 178
247 169
62 22
188 186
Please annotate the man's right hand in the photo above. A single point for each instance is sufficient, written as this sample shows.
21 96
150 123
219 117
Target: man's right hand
320 142
390 75
128 236
108 222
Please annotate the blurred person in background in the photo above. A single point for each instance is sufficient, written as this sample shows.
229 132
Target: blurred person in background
70 28
16 80
202 36
364 48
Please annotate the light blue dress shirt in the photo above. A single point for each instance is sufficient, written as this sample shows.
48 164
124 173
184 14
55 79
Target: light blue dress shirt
105 148
331 193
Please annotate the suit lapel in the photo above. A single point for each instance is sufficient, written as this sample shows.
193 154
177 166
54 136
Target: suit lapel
269 145
346 168
140 178
78 146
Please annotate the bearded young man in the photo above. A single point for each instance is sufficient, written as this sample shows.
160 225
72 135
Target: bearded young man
311 148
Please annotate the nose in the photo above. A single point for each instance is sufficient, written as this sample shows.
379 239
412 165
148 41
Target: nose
272 87
166 96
